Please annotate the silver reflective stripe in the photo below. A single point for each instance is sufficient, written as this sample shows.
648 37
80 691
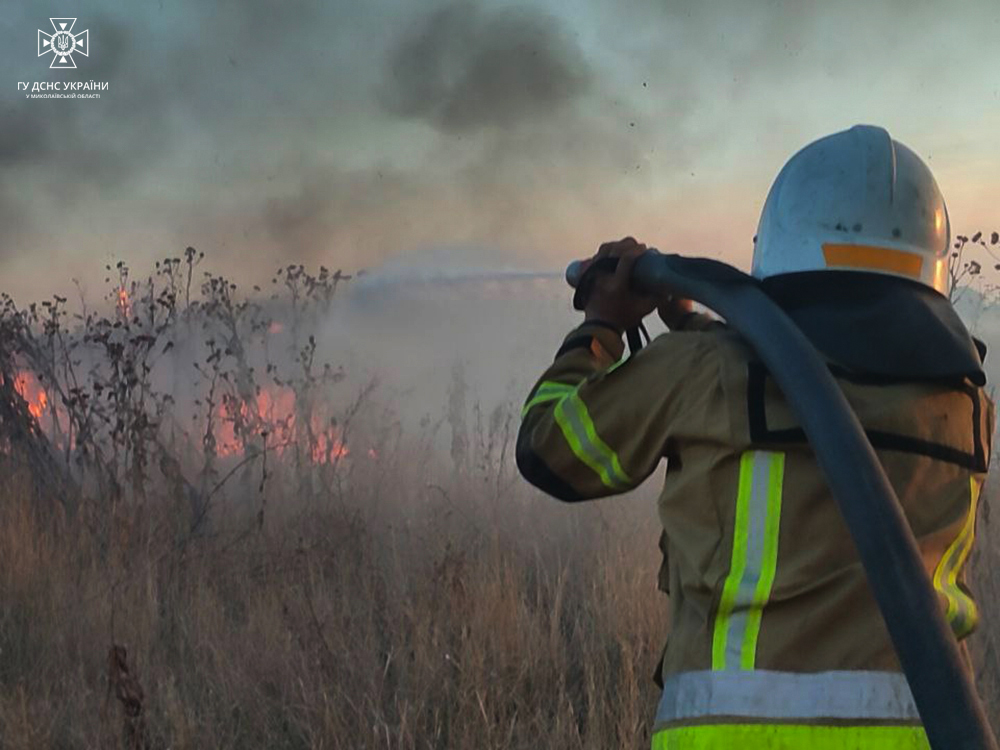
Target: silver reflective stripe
747 587
754 560
762 694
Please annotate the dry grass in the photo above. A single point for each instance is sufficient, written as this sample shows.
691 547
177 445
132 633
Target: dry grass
434 617
456 622
409 594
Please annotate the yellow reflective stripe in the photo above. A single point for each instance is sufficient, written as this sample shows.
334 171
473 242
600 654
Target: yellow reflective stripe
769 564
550 386
617 364
753 566
547 391
540 398
790 737
736 565
617 472
551 390
578 428
962 613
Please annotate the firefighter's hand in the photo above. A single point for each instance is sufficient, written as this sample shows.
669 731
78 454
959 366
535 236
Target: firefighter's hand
673 310
611 299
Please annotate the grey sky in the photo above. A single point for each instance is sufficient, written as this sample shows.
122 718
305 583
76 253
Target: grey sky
351 133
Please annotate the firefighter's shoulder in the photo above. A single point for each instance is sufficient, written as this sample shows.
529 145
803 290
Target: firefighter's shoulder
690 346
687 361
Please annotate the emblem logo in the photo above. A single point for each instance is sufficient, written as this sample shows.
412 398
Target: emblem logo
63 44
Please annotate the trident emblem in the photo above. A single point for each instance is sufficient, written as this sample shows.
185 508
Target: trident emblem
63 44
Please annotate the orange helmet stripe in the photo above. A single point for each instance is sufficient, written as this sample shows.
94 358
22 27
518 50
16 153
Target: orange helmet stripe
885 259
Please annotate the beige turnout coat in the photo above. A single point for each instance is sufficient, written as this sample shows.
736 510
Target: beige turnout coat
768 596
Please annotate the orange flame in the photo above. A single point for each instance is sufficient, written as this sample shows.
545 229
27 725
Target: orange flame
234 422
28 387
123 303
275 414
328 449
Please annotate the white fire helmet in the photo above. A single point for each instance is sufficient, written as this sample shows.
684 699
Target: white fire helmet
858 201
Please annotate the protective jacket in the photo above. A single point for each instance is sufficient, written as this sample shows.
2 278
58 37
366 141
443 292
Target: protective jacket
776 640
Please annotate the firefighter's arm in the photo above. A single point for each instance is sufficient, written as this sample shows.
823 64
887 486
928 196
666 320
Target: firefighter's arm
589 429
594 425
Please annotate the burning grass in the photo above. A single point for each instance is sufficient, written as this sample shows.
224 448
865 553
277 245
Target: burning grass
210 538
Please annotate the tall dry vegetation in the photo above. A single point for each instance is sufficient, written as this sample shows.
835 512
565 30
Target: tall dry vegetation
187 563
191 559
425 612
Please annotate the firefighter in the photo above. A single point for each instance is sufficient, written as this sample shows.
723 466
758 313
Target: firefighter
776 640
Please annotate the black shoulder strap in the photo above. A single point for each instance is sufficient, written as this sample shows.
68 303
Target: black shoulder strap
762 434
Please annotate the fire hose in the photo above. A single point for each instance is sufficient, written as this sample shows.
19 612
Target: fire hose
943 691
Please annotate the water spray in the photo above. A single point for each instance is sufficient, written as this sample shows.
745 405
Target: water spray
366 282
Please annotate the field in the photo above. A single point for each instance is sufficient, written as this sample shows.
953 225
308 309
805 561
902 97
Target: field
210 539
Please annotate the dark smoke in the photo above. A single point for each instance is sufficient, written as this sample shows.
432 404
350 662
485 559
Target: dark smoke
464 69
507 93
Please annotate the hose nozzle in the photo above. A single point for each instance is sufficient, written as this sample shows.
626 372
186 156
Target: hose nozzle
574 272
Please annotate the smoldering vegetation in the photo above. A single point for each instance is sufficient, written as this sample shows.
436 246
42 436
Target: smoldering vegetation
219 530
269 517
